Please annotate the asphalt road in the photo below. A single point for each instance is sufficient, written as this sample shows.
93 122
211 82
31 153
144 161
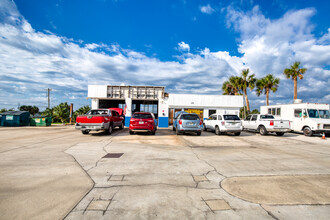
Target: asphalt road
56 172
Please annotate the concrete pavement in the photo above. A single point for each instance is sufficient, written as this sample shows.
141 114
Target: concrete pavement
51 173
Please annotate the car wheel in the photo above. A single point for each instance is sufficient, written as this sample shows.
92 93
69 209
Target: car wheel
262 130
279 133
153 132
85 132
217 130
237 133
131 132
204 127
110 129
308 132
199 133
173 128
122 125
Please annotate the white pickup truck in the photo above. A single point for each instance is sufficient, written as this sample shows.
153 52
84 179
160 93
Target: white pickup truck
266 123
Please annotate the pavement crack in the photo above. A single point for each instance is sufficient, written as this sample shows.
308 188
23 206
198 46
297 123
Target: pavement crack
269 213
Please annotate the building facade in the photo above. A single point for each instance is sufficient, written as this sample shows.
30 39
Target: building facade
154 99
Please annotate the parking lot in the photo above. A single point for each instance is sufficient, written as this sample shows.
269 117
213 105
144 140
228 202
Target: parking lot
57 172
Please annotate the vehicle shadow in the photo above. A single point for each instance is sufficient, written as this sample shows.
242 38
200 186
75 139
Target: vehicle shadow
159 132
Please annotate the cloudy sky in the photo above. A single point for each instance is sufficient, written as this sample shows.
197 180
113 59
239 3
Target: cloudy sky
187 46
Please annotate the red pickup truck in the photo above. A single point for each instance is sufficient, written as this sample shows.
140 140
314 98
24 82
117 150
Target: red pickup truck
99 119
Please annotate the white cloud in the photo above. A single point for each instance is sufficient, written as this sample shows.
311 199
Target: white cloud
207 9
183 46
32 61
271 45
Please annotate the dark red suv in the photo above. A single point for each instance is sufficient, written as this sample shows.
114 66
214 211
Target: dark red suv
142 122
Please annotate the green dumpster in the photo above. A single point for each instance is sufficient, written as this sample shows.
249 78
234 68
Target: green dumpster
41 121
15 118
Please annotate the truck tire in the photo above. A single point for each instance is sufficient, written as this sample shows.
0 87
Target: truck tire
308 132
85 131
122 125
237 133
217 130
263 130
279 133
204 127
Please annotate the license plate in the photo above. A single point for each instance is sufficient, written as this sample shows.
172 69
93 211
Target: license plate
191 123
141 122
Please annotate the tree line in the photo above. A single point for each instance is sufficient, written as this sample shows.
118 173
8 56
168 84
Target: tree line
238 85
59 113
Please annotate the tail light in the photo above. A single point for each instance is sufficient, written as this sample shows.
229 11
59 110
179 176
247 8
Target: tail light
200 122
223 123
289 123
180 122
271 123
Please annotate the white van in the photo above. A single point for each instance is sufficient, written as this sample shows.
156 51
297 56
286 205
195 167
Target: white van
309 118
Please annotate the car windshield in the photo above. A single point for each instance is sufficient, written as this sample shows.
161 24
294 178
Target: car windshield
97 112
231 117
324 114
266 117
142 116
313 113
189 117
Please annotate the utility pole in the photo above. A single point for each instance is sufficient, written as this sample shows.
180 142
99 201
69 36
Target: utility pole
48 94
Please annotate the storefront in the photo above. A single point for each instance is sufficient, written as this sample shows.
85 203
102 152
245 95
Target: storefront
154 99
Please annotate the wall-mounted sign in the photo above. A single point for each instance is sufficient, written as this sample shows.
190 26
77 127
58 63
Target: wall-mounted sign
9 117
197 111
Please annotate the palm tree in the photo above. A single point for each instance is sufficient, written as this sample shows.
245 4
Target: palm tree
232 86
247 82
62 112
81 111
266 84
294 73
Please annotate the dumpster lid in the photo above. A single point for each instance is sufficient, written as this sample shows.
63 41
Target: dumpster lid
14 113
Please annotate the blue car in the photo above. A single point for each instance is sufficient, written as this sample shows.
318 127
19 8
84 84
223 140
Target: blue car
187 122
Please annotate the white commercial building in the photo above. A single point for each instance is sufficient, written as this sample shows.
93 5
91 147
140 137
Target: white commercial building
154 99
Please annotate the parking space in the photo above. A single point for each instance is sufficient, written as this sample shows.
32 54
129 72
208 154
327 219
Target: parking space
56 172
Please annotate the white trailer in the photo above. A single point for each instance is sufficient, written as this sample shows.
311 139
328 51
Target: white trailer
309 118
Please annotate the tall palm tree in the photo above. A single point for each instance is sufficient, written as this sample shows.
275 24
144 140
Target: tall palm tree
247 81
232 86
294 73
267 84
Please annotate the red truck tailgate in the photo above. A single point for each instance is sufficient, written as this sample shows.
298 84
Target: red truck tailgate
90 119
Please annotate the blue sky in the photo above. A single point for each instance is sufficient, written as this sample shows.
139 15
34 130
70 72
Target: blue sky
187 46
